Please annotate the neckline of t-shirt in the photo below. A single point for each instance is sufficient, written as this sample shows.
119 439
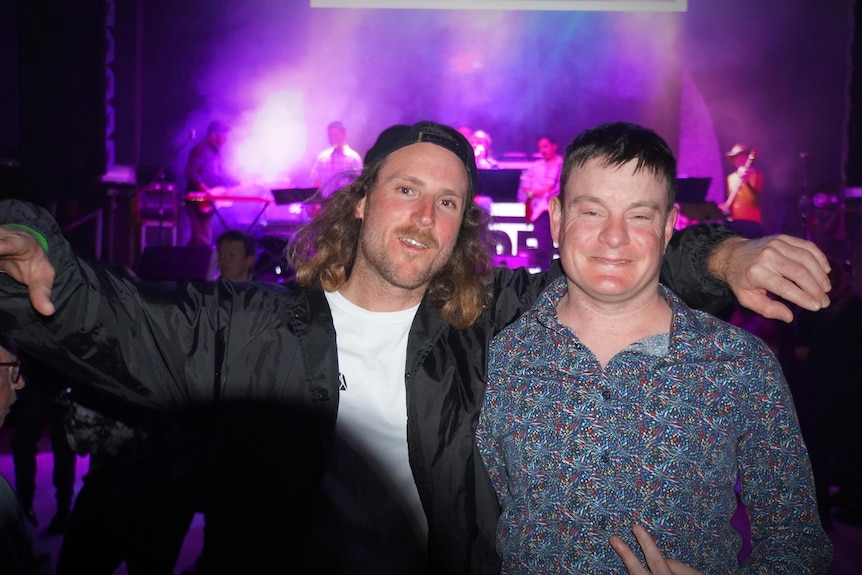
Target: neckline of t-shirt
346 306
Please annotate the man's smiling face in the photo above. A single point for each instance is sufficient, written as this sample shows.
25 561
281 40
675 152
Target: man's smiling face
411 218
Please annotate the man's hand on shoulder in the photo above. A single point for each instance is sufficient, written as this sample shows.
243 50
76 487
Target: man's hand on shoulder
24 260
789 267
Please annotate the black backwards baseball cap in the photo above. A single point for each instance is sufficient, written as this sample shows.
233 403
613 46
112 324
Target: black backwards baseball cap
401 135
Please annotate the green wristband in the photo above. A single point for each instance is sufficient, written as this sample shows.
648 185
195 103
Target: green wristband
39 237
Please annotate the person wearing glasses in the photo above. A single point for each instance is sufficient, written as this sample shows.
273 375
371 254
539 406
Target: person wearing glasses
10 380
19 553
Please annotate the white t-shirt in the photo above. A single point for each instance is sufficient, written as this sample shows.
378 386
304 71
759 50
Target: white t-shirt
371 470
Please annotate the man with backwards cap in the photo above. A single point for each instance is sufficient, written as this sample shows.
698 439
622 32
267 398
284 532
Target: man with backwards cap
343 409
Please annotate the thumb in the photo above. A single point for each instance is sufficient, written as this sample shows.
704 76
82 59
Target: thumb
759 302
40 297
39 289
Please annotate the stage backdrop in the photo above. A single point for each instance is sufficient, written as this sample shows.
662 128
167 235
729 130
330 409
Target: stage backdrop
773 74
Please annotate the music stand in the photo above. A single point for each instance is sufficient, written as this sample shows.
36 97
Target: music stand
691 197
293 195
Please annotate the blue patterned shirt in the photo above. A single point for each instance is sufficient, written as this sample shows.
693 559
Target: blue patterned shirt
659 437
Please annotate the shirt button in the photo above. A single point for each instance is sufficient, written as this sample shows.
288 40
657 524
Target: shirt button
605 458
602 522
606 394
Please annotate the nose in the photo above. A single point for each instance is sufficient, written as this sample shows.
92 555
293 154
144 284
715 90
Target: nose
425 211
614 232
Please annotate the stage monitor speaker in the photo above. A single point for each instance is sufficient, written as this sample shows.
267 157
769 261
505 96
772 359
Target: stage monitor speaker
184 263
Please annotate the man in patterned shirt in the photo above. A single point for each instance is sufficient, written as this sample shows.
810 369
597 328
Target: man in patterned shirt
611 404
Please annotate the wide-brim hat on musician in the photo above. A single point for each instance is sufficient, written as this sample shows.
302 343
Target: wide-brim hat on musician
738 150
401 135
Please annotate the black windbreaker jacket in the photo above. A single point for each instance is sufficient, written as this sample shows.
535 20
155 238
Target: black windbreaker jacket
255 366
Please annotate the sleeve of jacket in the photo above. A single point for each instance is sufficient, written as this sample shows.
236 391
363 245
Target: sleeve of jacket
155 350
684 269
515 290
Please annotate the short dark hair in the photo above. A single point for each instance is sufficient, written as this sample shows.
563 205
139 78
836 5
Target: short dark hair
336 125
237 236
618 143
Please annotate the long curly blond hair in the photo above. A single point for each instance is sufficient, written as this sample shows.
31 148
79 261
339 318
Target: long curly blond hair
323 253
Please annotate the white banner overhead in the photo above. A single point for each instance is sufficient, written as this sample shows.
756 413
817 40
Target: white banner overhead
559 5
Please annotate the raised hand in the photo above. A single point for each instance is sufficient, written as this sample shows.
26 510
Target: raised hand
24 260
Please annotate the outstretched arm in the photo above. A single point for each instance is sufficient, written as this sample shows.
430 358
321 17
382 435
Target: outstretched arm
791 268
96 326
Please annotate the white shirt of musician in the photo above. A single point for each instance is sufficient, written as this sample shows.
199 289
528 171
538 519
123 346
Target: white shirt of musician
372 405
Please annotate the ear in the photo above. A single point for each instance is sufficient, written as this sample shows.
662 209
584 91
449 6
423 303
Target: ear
359 210
669 224
555 210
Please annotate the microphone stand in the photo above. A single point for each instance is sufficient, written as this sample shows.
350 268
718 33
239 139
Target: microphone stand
804 200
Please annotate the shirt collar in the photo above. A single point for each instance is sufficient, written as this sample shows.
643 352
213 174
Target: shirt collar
682 330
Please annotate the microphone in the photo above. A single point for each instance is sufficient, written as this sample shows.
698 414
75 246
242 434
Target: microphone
192 134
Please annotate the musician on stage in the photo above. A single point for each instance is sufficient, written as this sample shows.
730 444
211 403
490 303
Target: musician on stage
337 165
481 142
538 183
205 171
744 186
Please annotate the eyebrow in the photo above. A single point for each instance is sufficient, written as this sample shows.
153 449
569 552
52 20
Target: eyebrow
419 182
639 204
411 179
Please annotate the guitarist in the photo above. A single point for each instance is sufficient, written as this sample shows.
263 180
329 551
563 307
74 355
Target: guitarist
744 186
205 171
538 183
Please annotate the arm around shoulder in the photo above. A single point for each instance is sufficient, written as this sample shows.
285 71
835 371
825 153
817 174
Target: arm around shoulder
685 267
791 268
